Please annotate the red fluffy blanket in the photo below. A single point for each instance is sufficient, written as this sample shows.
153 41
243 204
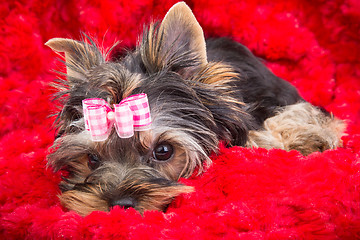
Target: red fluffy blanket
246 193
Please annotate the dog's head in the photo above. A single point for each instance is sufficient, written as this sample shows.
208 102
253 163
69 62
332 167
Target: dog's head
191 105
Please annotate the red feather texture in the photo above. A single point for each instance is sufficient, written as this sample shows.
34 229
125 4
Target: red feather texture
246 193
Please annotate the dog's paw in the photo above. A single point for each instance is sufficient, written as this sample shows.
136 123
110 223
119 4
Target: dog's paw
301 127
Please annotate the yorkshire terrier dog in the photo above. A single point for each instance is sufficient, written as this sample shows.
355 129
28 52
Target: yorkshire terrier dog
130 127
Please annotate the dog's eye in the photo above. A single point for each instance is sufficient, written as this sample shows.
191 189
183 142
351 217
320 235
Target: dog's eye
94 161
163 151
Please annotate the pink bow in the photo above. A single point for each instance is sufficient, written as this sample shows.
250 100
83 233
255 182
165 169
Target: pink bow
131 114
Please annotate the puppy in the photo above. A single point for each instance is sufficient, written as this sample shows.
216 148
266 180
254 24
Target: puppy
180 96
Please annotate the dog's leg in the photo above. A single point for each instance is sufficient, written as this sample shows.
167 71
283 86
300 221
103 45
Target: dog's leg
301 127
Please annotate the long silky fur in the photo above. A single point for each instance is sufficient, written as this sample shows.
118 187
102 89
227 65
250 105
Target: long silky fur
195 104
193 114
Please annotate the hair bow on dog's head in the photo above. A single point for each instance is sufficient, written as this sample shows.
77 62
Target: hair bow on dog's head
131 114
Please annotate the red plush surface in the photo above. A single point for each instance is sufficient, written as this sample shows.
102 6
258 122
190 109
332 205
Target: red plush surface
246 193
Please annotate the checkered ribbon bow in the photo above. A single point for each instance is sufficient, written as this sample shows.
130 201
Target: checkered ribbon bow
131 114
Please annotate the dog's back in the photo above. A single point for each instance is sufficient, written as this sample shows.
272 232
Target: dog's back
284 119
258 87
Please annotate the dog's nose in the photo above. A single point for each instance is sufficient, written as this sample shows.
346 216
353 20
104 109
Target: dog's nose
126 202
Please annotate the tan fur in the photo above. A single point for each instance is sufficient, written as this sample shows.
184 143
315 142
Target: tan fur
181 15
112 79
215 73
67 46
164 40
219 75
83 202
155 199
63 44
81 167
151 52
300 127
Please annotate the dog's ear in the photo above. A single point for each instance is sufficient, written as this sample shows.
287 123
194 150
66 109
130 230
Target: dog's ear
178 42
182 30
80 57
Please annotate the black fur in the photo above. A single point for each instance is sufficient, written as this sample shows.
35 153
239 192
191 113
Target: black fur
194 105
259 88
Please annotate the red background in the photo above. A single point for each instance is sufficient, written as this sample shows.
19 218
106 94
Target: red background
247 193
